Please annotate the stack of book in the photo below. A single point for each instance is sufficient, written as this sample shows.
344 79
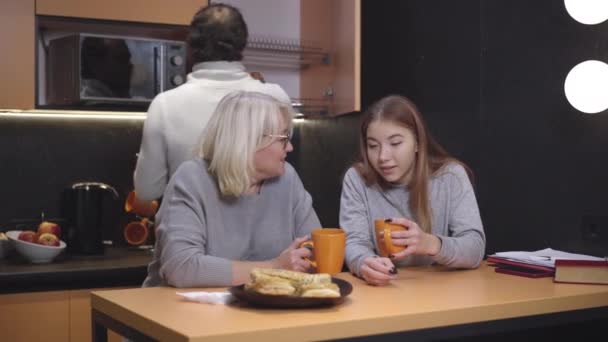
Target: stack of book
564 267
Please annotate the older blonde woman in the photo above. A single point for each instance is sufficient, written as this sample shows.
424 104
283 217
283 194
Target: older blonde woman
239 205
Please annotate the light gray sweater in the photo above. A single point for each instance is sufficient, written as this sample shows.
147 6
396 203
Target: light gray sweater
199 232
455 218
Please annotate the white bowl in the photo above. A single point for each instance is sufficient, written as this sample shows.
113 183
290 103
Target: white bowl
34 252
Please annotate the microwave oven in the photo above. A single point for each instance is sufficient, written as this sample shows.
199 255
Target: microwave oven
90 70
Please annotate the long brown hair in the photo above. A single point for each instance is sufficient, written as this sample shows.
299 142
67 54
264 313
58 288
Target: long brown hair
430 157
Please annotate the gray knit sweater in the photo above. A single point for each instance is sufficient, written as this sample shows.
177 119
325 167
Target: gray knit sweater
199 232
455 218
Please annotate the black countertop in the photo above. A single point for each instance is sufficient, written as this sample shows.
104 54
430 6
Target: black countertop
116 267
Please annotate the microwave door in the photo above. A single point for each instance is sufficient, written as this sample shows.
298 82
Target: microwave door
107 69
144 73
158 68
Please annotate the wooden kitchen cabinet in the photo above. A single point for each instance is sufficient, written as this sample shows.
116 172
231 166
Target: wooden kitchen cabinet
148 11
37 316
336 26
17 64
48 316
18 34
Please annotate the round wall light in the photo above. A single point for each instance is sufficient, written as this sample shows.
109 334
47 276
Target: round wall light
586 86
589 12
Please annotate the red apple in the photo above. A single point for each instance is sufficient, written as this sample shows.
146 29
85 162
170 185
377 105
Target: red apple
49 227
48 239
27 235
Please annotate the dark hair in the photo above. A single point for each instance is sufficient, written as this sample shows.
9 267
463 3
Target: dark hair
218 32
430 157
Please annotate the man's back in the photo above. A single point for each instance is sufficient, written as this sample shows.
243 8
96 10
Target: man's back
177 118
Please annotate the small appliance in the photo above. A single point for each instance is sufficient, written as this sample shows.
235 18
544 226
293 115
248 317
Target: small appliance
91 70
88 212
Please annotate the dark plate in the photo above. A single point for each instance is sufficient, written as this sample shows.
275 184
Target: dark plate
269 301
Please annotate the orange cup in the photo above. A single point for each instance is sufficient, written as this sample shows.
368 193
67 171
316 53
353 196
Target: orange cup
328 245
384 239
140 208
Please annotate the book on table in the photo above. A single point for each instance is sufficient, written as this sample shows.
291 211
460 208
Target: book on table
520 268
535 264
581 271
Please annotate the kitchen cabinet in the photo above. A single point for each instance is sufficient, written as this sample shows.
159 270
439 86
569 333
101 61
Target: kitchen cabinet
148 11
17 65
47 316
336 25
18 34
38 316
322 36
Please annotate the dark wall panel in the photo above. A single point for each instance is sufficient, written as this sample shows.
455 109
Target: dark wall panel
546 161
324 149
425 49
539 164
40 157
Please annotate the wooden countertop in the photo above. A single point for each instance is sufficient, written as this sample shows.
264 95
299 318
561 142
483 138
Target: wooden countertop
428 297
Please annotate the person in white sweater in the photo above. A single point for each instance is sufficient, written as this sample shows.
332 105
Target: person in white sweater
176 118
237 206
405 177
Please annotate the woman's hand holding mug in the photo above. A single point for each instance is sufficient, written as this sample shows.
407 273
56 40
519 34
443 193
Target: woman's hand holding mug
294 257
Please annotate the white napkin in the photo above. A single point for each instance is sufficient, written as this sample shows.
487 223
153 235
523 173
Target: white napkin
207 297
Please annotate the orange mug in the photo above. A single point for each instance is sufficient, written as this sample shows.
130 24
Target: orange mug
140 208
328 245
383 237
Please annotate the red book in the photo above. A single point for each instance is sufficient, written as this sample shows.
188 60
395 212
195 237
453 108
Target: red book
519 268
581 271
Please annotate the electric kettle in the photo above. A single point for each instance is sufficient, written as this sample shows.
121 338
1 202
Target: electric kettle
86 208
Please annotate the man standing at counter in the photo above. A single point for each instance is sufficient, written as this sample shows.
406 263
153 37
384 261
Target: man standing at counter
176 118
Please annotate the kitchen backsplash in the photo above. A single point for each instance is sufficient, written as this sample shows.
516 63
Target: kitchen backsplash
42 155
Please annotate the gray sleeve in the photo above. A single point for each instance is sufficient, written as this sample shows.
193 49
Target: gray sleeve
464 247
305 217
354 220
151 174
181 235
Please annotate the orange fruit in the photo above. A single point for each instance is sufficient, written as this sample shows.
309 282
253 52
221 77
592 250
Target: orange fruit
136 233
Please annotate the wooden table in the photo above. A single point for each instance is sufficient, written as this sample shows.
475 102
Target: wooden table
429 301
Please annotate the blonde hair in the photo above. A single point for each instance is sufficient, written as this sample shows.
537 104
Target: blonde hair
236 130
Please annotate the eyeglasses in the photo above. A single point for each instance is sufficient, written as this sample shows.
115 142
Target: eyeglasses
284 138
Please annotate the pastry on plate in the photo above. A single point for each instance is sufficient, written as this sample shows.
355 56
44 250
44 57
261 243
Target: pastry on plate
297 278
291 283
270 286
314 290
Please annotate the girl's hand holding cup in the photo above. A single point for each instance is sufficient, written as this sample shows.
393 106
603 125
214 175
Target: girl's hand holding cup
411 240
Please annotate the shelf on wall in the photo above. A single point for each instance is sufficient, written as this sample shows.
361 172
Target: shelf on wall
311 107
283 53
